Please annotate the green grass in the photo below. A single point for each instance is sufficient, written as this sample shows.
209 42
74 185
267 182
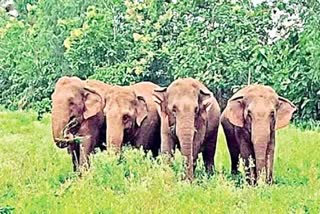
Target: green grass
36 177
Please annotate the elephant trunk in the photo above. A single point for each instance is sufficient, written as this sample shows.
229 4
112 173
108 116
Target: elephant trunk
114 135
59 121
185 132
260 139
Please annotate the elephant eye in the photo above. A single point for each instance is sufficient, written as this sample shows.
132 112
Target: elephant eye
272 114
174 110
196 109
125 118
249 114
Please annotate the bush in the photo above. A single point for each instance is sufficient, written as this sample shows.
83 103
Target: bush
221 43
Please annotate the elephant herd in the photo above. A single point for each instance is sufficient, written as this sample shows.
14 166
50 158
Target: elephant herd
89 114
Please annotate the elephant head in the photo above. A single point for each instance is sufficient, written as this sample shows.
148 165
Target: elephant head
125 111
260 111
183 106
71 103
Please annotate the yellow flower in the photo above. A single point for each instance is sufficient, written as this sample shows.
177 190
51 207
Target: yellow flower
85 26
139 18
91 8
146 38
2 32
91 14
127 3
8 25
165 49
20 23
61 22
91 11
2 10
31 31
137 37
31 7
141 6
157 26
76 33
169 14
165 17
150 54
67 43
142 61
141 38
138 70
236 8
130 12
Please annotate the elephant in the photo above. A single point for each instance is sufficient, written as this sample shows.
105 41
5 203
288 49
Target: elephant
189 121
132 117
76 114
249 121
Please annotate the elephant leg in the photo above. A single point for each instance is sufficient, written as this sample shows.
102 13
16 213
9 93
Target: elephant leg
248 158
233 146
148 141
195 158
208 159
156 146
102 143
74 151
86 147
247 153
209 150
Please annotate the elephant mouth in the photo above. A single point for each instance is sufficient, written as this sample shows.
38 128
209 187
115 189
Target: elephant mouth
72 127
70 134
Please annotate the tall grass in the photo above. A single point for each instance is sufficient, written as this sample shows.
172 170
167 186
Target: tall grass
37 177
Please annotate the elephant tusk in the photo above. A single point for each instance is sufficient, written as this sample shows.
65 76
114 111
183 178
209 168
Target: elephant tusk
173 129
73 123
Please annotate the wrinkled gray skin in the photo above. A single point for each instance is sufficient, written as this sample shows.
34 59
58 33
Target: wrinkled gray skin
70 100
189 120
249 121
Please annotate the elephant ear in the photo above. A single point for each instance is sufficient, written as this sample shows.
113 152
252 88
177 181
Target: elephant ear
284 112
141 110
93 102
159 96
234 111
206 99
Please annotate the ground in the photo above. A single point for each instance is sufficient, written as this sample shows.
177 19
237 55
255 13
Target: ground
36 177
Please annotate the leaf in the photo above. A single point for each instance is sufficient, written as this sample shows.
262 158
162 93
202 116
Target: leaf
305 102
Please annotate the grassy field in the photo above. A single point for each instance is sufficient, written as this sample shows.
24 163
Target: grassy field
36 177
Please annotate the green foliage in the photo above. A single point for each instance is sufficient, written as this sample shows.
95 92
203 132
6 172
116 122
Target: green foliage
220 43
37 177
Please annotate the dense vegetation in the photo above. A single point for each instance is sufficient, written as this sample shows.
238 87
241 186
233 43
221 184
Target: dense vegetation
36 177
223 43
